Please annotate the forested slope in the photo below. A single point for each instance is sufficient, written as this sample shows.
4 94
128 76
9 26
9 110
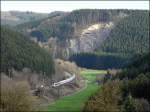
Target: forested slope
18 52
130 27
43 28
130 35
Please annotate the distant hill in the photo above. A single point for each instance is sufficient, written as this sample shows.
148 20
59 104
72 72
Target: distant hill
40 28
15 17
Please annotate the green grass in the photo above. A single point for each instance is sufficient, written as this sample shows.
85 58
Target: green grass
90 75
76 101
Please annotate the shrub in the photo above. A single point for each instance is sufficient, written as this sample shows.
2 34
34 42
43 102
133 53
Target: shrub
129 104
107 99
139 87
16 96
142 105
135 105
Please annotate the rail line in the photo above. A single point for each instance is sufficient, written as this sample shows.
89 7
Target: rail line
56 84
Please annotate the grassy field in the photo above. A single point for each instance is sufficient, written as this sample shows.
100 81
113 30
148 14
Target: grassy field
76 101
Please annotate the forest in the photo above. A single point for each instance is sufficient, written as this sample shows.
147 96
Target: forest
17 52
128 39
130 35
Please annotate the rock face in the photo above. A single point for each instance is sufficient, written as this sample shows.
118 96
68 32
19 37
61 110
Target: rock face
90 38
87 40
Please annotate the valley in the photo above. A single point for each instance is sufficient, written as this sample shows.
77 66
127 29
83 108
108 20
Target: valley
83 60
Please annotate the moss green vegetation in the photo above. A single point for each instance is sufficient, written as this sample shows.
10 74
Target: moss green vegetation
77 101
90 75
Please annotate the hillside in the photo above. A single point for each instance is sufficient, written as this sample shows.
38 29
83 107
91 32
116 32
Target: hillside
85 30
130 35
40 29
19 52
72 22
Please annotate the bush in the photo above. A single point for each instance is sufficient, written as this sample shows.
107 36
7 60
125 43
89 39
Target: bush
139 87
135 105
129 104
142 105
107 99
16 96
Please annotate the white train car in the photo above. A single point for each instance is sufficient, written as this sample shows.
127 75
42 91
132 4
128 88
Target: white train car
64 81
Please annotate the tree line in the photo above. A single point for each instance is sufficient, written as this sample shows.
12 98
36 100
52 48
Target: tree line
100 60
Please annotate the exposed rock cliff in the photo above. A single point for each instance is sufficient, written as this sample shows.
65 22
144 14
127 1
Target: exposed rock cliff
87 40
90 38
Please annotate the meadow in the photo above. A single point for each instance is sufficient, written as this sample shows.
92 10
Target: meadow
76 101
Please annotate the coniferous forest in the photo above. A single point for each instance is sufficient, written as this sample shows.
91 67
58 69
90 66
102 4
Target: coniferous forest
19 52
131 35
